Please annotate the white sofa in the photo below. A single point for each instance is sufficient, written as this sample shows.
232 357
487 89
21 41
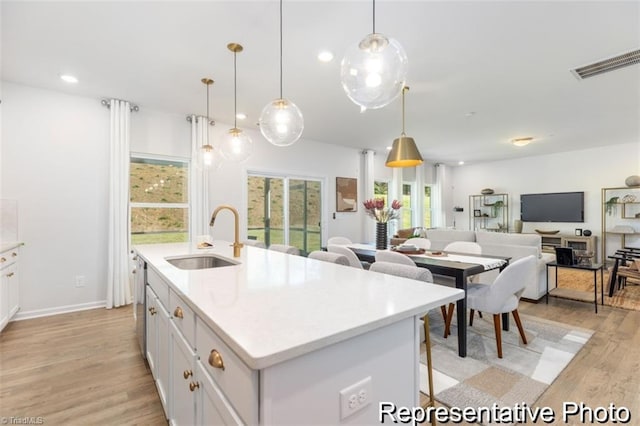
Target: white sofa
515 246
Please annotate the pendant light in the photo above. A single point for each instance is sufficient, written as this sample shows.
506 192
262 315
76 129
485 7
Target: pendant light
404 152
281 121
374 71
236 145
206 152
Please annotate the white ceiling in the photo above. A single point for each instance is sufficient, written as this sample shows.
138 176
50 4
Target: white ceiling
507 62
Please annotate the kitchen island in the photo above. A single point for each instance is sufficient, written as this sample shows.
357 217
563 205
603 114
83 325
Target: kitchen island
281 339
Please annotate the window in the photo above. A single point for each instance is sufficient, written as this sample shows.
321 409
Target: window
426 207
285 211
159 200
381 190
407 206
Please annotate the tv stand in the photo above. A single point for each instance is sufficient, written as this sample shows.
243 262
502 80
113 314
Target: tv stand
551 241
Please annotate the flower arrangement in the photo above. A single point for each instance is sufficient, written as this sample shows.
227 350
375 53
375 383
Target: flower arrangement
376 209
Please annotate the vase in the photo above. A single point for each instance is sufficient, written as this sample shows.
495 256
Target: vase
381 235
517 226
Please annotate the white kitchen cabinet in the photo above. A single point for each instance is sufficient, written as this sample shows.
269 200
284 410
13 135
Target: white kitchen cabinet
152 330
184 384
212 407
9 286
158 345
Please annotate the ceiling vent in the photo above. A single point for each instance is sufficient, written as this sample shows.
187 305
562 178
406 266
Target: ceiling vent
607 65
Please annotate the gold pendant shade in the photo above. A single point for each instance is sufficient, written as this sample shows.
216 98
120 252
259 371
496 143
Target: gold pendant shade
404 153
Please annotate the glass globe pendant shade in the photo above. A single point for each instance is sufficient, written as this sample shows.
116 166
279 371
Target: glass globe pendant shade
236 146
206 156
281 122
374 71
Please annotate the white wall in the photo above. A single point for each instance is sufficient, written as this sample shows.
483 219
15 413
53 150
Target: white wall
587 170
55 161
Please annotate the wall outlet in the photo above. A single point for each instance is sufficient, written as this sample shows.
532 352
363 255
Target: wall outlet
355 397
81 281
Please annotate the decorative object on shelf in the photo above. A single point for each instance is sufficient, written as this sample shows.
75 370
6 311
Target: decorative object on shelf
236 145
517 226
404 152
622 229
206 151
495 207
487 191
586 232
477 213
578 232
346 194
629 198
281 121
374 71
382 215
632 181
611 205
539 231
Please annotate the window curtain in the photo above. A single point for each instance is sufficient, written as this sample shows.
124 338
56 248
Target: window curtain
119 277
199 188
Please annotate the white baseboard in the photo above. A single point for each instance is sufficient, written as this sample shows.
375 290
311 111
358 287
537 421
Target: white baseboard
23 315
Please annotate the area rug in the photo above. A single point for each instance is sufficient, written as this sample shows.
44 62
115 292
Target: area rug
482 379
578 285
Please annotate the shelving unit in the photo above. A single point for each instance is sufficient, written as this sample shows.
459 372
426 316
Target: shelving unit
576 242
489 212
620 216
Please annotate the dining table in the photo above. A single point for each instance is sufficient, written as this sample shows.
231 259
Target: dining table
459 266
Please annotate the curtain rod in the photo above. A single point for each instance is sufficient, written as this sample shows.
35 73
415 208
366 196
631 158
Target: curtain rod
133 108
211 122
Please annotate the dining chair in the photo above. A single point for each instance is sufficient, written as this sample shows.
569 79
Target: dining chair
421 274
393 257
283 248
423 243
349 254
326 256
503 295
255 243
339 241
467 247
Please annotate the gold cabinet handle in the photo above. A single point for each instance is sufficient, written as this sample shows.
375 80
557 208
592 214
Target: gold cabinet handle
193 386
2 259
14 254
187 374
215 359
152 311
133 272
178 313
10 274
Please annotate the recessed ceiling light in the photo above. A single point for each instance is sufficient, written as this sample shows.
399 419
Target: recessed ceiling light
241 116
325 56
522 141
470 114
69 78
460 163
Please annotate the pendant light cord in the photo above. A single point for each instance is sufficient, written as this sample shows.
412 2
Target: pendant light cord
374 16
281 49
235 92
404 89
207 123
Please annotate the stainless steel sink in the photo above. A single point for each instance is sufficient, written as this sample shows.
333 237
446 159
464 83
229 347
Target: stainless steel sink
199 262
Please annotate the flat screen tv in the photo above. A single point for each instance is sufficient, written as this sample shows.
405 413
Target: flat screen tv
552 207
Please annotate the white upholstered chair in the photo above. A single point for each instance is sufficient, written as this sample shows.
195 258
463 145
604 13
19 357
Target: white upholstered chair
503 295
285 249
468 247
423 243
326 256
393 257
348 253
343 241
255 243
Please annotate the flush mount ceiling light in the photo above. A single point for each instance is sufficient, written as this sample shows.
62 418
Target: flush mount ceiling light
325 56
236 145
281 121
206 152
69 78
404 152
373 72
521 141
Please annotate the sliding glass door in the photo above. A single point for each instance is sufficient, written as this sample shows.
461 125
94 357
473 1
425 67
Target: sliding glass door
285 210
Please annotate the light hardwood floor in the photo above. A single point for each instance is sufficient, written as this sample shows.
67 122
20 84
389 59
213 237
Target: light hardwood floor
84 368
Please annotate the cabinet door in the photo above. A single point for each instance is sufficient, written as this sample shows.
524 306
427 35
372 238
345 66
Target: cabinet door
183 383
162 356
12 289
152 330
4 298
212 408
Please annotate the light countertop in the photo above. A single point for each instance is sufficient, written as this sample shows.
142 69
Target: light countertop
273 307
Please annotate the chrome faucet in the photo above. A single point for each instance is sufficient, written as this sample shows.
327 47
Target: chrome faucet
237 245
